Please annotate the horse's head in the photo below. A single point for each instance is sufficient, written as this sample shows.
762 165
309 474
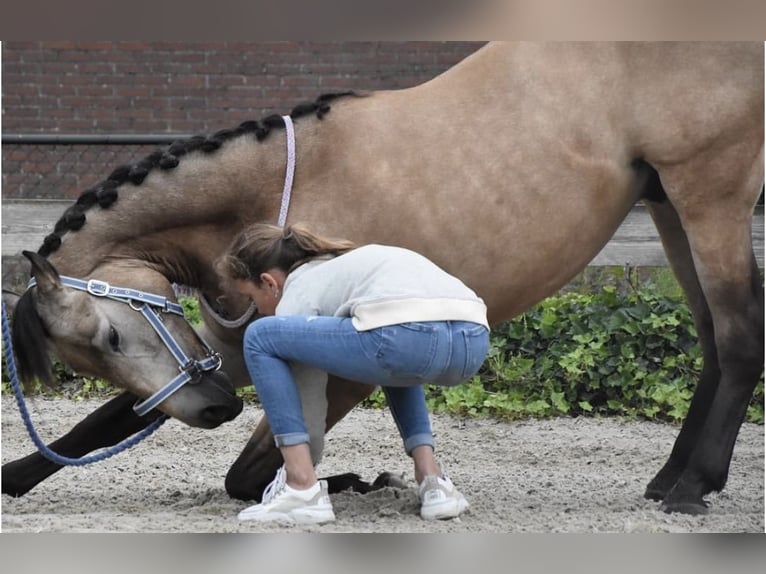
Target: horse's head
137 338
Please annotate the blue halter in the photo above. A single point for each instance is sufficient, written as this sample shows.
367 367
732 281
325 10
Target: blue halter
151 306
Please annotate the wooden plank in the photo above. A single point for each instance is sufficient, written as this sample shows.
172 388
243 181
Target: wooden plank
26 222
636 242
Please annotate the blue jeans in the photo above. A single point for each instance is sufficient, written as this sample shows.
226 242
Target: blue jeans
399 358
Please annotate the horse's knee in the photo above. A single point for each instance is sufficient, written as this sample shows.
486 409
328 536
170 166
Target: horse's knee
234 485
240 486
255 467
250 475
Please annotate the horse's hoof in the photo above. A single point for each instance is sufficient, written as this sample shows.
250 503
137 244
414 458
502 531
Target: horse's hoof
662 484
655 493
389 479
684 505
12 486
686 497
691 508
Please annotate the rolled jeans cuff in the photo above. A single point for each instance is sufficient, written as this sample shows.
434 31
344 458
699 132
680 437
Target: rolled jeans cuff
417 440
291 439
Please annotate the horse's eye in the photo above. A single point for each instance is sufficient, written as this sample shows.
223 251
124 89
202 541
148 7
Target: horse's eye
114 339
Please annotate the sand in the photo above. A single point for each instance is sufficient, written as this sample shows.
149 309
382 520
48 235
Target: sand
556 475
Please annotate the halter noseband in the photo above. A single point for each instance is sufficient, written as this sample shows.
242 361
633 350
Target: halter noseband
150 306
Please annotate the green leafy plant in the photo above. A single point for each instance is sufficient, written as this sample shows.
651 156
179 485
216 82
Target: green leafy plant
606 346
191 309
620 349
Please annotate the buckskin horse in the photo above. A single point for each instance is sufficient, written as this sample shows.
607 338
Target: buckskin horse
511 170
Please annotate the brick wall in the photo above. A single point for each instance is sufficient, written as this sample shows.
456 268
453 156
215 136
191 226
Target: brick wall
176 87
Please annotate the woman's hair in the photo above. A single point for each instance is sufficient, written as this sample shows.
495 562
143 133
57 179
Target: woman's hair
263 246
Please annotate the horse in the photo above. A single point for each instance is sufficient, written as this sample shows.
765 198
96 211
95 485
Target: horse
511 170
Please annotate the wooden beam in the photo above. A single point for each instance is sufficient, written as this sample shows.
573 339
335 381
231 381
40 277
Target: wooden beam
27 221
636 242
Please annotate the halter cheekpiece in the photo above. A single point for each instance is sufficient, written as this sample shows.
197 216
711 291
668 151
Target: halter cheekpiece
152 307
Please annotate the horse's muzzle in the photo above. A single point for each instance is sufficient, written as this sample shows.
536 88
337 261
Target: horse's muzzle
224 405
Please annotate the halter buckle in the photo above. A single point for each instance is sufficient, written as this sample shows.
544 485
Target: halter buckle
98 288
217 357
192 369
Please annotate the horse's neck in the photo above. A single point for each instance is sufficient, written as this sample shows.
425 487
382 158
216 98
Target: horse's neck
179 221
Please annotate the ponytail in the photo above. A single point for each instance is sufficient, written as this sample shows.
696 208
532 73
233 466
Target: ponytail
263 246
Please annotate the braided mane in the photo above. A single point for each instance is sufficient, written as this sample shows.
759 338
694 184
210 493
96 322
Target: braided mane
104 193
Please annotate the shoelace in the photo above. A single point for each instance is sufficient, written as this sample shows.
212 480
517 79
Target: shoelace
439 485
276 486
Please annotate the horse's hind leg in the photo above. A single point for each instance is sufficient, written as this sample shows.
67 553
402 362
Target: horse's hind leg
106 426
727 300
679 255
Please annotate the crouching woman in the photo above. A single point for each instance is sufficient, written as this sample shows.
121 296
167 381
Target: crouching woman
374 314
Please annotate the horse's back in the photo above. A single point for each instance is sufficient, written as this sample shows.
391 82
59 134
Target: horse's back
533 143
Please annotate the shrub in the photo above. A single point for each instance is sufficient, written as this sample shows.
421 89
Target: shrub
609 350
608 353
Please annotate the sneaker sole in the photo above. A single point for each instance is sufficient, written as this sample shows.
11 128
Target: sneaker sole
447 509
292 517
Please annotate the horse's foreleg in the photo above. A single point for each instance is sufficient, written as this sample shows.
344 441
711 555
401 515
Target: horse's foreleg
679 255
256 465
104 427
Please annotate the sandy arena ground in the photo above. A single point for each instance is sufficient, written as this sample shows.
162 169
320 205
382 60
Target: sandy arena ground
561 475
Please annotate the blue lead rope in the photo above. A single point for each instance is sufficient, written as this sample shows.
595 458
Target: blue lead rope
10 363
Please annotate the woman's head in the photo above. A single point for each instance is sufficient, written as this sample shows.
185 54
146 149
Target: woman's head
262 247
262 255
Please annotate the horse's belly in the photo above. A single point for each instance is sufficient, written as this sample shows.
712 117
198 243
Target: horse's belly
534 250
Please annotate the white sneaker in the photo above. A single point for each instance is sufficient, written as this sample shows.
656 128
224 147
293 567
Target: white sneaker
285 504
439 499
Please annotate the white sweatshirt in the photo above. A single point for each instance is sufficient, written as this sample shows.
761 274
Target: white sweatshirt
378 285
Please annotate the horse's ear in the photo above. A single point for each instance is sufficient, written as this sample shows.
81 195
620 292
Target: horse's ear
44 273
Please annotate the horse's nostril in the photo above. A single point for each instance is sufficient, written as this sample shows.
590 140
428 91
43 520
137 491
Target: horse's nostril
215 415
219 414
